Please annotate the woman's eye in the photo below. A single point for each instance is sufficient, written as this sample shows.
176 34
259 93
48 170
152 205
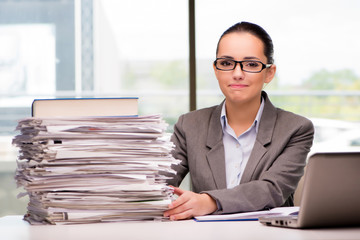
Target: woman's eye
226 63
252 64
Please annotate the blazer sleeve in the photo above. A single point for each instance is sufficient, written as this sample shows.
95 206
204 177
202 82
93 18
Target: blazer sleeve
277 173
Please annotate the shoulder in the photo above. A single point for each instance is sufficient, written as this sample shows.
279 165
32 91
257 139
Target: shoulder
292 125
292 118
285 119
199 123
201 115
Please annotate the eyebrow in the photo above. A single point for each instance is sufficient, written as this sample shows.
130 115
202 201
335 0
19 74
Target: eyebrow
251 58
245 58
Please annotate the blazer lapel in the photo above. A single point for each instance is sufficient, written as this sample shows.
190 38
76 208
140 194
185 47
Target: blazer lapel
216 154
264 135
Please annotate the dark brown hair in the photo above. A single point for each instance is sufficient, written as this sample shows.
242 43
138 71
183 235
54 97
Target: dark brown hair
258 32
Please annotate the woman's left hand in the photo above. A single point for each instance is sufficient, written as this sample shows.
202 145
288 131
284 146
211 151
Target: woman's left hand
190 204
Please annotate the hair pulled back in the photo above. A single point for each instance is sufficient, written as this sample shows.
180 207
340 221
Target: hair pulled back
258 32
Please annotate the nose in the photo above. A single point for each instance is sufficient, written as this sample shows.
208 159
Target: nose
238 73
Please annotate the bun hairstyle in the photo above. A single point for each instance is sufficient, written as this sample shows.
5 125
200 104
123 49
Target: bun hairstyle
258 32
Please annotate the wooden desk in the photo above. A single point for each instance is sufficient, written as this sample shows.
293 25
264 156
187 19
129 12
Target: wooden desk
14 228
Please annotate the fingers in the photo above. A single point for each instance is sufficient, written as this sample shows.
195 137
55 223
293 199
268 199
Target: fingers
189 204
178 191
182 215
178 206
181 199
178 203
181 212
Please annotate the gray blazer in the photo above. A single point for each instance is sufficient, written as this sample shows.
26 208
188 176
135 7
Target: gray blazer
272 173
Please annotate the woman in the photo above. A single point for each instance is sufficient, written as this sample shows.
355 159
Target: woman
244 154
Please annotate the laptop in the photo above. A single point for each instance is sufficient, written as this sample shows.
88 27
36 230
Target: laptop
330 196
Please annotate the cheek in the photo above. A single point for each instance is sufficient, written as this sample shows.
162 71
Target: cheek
222 83
217 75
220 77
260 79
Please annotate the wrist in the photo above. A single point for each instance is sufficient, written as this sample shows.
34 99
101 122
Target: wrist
210 203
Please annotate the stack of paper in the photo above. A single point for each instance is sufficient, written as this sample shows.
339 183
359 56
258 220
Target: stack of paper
94 169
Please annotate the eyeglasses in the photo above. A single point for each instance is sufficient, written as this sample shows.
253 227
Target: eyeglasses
225 64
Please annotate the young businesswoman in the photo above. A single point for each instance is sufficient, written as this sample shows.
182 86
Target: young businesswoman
244 154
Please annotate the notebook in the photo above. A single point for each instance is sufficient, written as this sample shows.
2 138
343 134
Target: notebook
331 193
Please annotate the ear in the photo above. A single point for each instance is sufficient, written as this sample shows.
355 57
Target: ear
270 73
215 70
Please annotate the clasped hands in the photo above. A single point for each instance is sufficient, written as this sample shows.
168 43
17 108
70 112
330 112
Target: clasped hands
190 204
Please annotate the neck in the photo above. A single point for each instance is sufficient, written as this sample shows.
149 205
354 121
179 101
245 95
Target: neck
241 115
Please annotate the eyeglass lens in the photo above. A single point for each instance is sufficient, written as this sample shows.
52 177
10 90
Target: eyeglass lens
228 64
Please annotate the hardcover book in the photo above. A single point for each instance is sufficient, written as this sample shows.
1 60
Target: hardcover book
84 107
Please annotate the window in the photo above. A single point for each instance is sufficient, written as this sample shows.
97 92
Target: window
143 53
315 52
36 60
88 48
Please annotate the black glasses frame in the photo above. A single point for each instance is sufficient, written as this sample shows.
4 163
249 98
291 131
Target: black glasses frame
242 66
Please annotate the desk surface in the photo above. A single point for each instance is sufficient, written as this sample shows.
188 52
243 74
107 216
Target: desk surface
14 228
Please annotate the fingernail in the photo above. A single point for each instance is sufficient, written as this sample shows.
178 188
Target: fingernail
172 218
